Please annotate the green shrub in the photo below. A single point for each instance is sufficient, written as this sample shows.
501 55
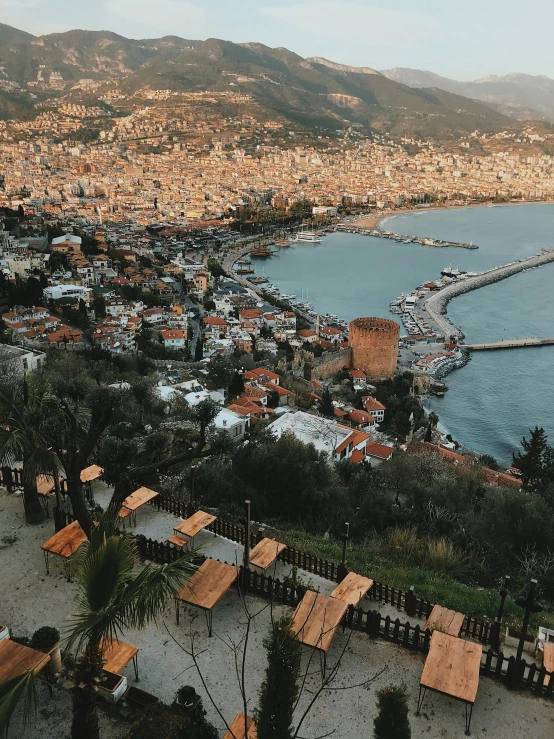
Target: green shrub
45 638
392 721
442 556
403 541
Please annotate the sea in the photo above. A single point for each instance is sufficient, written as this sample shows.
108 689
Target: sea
494 400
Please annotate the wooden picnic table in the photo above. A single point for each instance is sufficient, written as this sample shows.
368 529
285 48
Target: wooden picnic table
89 474
15 659
64 544
195 523
117 655
352 589
265 553
316 619
46 489
236 730
548 659
206 587
452 669
444 620
136 500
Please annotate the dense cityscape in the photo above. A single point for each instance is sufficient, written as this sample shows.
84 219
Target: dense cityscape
179 435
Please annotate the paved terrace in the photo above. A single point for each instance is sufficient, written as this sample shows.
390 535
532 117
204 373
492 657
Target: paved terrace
31 599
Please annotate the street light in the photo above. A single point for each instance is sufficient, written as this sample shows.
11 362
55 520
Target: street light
495 633
531 606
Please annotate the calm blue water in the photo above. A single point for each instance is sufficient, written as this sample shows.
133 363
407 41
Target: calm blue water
494 400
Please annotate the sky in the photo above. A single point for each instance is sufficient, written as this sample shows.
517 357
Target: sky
464 40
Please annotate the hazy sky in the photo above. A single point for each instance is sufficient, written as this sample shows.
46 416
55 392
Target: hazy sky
464 40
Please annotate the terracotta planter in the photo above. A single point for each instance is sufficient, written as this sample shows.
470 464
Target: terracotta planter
55 664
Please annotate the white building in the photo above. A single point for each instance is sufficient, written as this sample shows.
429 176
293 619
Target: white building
232 423
56 292
326 435
18 359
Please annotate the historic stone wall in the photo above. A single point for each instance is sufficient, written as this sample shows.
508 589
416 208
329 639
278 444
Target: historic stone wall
328 364
374 344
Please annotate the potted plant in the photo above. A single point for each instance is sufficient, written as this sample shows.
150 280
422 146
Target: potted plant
113 686
47 639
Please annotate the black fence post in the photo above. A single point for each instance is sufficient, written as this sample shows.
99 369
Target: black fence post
410 602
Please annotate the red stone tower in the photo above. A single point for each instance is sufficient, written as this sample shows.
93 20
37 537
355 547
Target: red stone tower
374 343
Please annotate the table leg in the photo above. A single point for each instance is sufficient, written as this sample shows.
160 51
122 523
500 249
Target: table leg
468 721
47 562
209 619
49 683
177 611
135 665
420 699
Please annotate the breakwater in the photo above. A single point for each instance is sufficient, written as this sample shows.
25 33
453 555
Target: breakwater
404 239
436 304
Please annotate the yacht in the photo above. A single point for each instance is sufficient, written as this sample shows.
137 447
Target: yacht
308 236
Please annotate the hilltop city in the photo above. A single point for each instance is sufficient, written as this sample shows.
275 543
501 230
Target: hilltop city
181 438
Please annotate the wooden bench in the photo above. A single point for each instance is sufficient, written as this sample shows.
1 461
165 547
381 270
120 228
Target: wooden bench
124 514
178 541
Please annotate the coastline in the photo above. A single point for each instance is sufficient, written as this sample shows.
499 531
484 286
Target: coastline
375 220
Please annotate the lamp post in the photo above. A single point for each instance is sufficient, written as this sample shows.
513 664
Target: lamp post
531 606
495 634
190 506
246 560
342 571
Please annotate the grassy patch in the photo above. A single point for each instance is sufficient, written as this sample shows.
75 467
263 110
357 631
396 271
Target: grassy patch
434 587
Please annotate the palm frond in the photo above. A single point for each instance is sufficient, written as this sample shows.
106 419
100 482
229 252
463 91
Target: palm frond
21 688
114 598
41 461
12 447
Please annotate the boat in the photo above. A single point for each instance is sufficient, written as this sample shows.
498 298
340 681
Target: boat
310 237
260 251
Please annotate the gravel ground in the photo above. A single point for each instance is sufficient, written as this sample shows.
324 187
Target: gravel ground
31 599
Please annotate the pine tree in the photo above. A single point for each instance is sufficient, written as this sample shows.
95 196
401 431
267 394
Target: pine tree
279 689
326 407
236 386
199 350
392 721
429 433
532 461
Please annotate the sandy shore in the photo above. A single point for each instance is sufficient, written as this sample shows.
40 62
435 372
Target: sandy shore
375 220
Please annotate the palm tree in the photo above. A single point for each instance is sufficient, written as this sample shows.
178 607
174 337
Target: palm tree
114 597
20 688
24 408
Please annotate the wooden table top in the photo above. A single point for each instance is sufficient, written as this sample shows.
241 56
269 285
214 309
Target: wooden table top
236 730
195 523
265 553
15 659
547 659
316 619
91 473
452 667
45 485
209 584
67 541
117 654
444 620
139 498
548 656
352 589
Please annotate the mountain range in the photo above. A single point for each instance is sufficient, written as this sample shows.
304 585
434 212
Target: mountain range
314 92
521 96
